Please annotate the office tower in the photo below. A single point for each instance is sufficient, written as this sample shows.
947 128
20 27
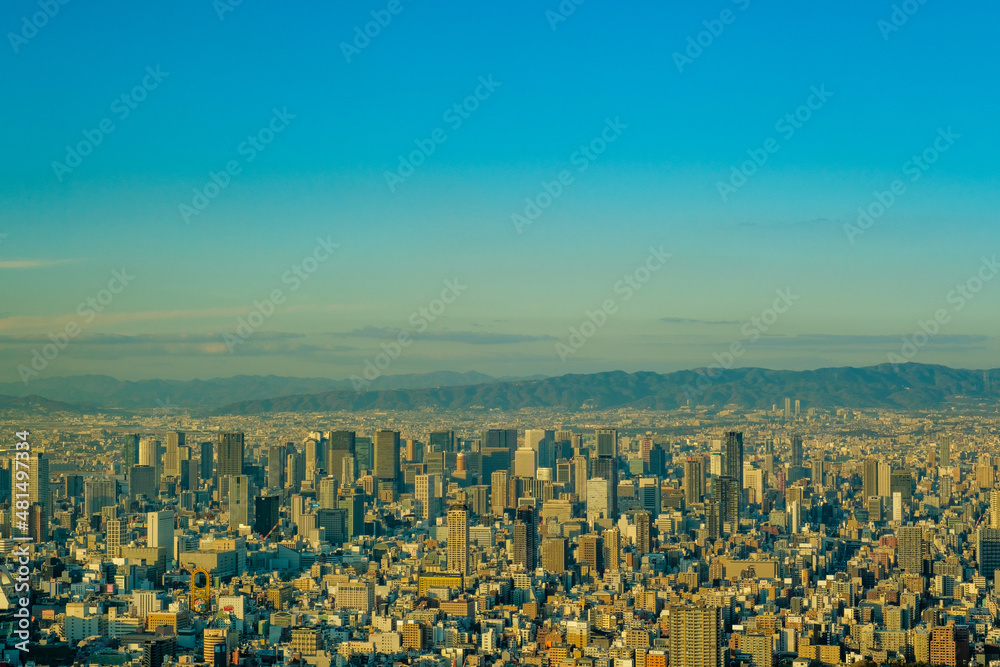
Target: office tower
160 530
649 495
564 473
216 642
643 533
348 472
988 551
206 458
995 508
498 492
172 462
874 506
312 449
715 464
606 444
334 522
590 552
726 491
884 479
458 539
295 469
276 466
99 493
798 404
353 502
340 445
645 446
38 482
788 408
612 549
901 481
441 441
327 493
554 555
910 546
496 438
599 499
713 519
607 468
240 510
387 468
985 477
734 457
187 471
869 478
525 462
533 436
425 493
944 452
695 639
797 451
229 456
150 455
897 507
130 450
581 476
694 481
753 482
142 482
526 537
115 529
364 453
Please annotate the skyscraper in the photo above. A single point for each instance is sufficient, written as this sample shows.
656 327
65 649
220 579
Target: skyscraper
694 481
276 466
911 548
526 538
590 552
425 493
643 533
988 551
458 539
340 445
498 492
99 493
727 491
160 530
207 460
130 450
172 462
612 549
387 467
734 457
327 493
554 555
240 510
944 452
38 482
869 480
695 636
884 479
796 451
606 442
229 452
266 514
441 441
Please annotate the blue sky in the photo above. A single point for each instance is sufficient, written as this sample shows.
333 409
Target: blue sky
681 132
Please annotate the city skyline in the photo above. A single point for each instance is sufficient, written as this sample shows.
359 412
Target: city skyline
298 147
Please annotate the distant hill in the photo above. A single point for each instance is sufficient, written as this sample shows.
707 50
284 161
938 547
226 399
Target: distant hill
907 387
34 403
102 391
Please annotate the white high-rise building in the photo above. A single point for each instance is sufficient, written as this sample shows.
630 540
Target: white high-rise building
884 476
160 531
598 498
525 462
425 493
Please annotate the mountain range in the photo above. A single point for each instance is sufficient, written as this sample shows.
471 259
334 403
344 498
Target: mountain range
903 387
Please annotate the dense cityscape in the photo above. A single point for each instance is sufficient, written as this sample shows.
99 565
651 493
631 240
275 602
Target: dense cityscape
617 538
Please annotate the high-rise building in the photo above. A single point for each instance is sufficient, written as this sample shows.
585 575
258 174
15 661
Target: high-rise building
884 479
606 444
590 552
340 445
643 533
387 466
206 457
760 646
115 529
901 481
726 491
276 466
580 477
988 551
797 451
425 493
266 514
695 639
327 493
554 555
734 457
130 450
525 462
944 452
441 441
526 537
238 498
458 539
694 481
142 482
869 478
606 467
599 499
172 462
498 492
229 454
99 493
496 438
612 549
150 455
38 482
160 530
910 545
649 495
